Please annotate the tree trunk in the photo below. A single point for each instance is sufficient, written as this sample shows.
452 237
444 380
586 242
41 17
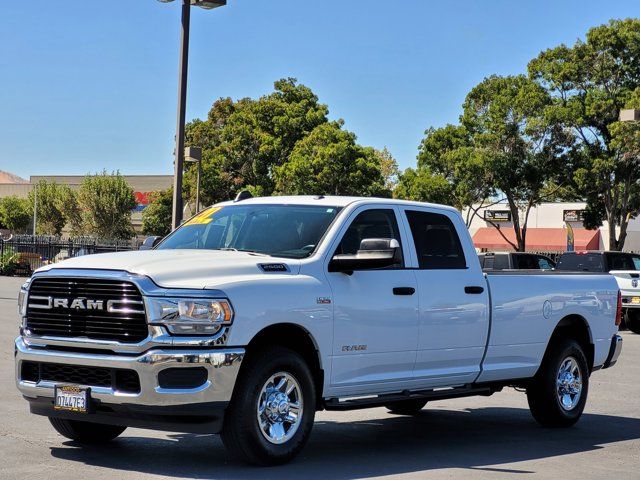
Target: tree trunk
613 244
515 219
623 232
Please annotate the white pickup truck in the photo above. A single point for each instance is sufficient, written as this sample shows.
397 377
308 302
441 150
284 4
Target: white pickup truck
257 313
623 266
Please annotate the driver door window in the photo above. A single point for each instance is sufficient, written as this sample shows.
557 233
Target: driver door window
375 223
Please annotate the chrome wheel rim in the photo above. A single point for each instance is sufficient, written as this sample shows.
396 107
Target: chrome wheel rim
569 384
280 408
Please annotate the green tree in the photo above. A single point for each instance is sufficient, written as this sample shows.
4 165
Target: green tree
590 82
388 168
156 217
106 202
57 206
15 213
244 141
449 153
329 161
70 208
424 186
521 149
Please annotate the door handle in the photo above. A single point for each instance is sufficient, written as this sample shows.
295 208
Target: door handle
404 290
473 289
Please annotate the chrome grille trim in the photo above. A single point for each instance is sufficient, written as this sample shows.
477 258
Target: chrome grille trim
157 337
72 312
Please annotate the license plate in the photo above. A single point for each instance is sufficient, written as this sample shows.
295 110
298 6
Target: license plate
635 300
71 398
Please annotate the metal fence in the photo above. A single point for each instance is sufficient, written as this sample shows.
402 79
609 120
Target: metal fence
22 254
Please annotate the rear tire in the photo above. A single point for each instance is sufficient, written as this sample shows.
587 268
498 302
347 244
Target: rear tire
633 320
86 432
558 393
406 407
268 424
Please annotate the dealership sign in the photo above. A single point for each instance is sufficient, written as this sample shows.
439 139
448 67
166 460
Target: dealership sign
497 215
573 215
142 200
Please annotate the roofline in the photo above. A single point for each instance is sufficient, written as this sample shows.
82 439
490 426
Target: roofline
345 201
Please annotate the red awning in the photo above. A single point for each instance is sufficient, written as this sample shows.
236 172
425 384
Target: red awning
538 239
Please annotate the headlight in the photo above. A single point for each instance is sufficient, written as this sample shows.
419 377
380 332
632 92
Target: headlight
22 298
190 316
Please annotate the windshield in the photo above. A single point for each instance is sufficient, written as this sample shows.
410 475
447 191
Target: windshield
290 231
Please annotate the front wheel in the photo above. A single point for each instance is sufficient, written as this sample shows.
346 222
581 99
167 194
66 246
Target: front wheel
85 432
558 393
271 414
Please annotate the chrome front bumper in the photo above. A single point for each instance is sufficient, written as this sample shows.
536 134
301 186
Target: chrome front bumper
223 366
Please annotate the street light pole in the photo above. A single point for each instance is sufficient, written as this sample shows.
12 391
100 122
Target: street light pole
176 216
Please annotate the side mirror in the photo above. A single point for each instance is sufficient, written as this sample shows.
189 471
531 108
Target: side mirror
373 253
150 242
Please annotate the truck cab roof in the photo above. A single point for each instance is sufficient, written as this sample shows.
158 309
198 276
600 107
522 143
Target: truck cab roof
330 201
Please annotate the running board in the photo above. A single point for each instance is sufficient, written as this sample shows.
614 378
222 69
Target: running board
381 400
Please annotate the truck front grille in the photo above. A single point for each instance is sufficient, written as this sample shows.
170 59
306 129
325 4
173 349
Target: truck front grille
118 379
98 309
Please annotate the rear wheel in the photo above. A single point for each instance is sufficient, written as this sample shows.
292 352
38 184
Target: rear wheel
558 393
633 320
271 414
406 407
86 432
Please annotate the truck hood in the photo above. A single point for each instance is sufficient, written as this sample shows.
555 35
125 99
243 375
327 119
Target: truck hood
183 268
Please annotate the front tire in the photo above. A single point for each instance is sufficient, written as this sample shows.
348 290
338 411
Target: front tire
558 393
86 432
270 416
406 407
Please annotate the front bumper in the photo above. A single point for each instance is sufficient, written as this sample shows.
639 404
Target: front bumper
222 365
614 351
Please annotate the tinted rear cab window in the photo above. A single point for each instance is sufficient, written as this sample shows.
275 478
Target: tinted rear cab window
581 262
620 261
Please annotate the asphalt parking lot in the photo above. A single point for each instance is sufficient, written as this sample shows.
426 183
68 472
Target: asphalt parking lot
492 437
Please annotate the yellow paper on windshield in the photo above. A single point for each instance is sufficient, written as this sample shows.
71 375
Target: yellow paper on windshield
204 217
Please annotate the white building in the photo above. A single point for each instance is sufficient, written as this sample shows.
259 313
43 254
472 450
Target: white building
546 229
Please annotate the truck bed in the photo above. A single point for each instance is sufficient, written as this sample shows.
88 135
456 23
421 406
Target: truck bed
526 306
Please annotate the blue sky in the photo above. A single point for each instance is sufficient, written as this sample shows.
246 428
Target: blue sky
87 85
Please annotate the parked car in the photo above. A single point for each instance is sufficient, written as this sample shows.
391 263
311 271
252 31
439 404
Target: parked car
515 261
254 314
625 267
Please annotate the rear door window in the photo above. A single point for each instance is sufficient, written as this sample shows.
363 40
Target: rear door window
437 243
